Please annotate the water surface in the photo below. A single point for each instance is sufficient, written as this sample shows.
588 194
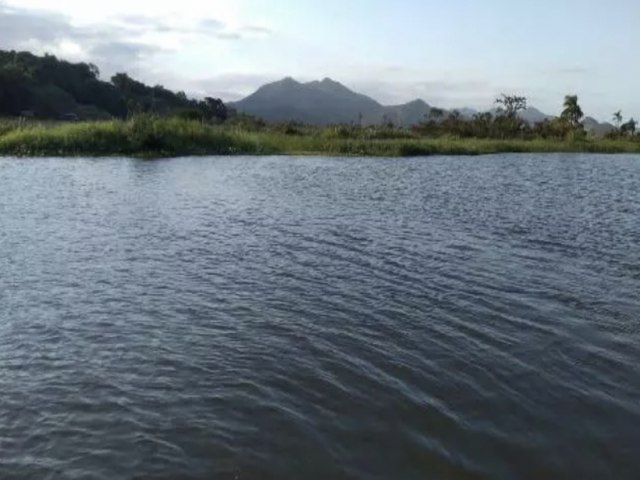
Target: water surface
303 318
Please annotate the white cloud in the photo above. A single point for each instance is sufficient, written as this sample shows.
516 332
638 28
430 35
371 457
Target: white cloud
133 41
223 41
70 49
91 11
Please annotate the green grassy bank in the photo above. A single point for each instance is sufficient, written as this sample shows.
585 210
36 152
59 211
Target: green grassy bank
163 137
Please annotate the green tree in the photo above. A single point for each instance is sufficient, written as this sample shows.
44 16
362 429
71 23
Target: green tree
455 124
510 105
507 122
214 108
617 118
629 128
551 128
436 113
14 91
572 113
482 125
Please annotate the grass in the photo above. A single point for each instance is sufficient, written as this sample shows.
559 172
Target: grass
139 136
163 137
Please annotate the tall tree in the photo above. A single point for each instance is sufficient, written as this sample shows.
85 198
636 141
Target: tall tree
507 122
510 105
617 118
629 128
572 113
214 108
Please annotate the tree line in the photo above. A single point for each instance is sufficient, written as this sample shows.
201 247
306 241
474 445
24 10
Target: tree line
49 88
46 87
506 122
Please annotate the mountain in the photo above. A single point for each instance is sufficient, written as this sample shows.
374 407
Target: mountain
329 102
325 102
532 115
406 114
592 126
317 103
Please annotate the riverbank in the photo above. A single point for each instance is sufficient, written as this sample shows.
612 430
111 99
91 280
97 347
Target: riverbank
165 137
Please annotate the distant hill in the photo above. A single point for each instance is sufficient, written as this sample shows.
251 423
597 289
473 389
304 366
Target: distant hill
328 102
592 126
533 115
325 102
316 103
406 114
49 88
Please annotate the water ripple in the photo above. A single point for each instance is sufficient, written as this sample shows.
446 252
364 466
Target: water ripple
276 318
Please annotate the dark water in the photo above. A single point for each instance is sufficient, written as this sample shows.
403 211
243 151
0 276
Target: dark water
282 318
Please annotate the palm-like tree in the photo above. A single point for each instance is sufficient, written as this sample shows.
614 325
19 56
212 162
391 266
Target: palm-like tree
617 118
629 128
572 112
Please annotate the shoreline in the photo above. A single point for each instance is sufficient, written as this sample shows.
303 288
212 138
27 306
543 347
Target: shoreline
149 137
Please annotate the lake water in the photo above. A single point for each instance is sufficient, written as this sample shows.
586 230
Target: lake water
319 318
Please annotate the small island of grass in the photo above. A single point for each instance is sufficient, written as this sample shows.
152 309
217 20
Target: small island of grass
149 136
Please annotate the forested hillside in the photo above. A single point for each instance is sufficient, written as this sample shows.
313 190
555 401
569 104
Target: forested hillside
50 88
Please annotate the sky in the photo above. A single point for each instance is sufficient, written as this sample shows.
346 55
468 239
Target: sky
450 53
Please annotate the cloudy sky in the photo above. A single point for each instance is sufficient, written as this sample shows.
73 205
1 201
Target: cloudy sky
451 53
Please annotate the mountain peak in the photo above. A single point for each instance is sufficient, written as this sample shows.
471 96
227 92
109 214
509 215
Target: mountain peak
284 85
288 81
318 102
418 102
327 84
